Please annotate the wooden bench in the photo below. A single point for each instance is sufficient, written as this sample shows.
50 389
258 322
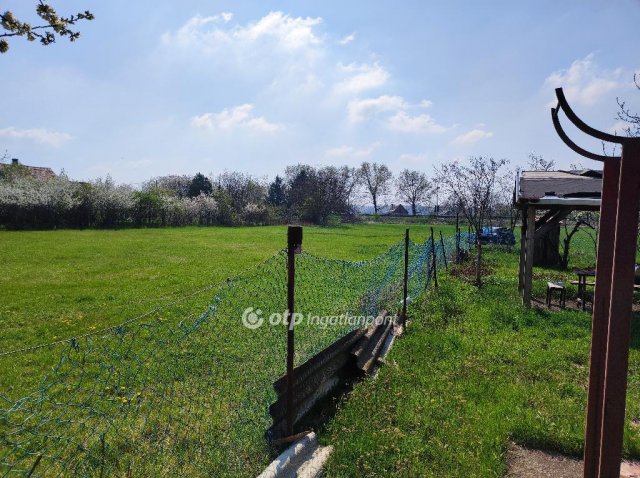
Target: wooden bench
559 286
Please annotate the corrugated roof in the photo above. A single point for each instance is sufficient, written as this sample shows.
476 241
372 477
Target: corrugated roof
533 185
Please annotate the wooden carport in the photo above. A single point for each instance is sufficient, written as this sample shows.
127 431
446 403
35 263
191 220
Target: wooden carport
554 195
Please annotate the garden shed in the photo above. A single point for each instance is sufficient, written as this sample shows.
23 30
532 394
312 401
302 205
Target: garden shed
546 198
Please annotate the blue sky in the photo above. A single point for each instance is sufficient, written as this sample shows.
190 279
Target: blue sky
154 88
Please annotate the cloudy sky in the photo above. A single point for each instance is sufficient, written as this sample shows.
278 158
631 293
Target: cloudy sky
160 87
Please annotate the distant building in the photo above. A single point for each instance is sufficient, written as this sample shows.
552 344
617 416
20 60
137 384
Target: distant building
398 210
37 172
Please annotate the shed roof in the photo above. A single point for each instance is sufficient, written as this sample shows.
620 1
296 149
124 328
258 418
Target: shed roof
558 187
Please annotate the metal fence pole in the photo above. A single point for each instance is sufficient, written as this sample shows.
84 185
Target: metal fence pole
294 242
433 261
406 277
620 311
457 238
444 252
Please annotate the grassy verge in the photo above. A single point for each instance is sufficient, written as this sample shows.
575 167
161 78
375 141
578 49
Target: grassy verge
474 372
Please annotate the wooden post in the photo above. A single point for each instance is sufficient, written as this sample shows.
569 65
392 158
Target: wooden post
523 248
294 241
406 278
601 304
528 264
620 312
434 267
444 252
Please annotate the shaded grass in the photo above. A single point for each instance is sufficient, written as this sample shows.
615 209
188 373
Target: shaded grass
474 371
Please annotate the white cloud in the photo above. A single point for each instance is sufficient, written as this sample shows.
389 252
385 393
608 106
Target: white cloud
350 151
363 77
422 123
43 136
584 83
358 110
397 118
348 39
238 117
288 32
472 136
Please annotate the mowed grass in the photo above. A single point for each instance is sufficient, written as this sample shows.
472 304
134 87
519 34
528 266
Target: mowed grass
178 392
60 284
474 372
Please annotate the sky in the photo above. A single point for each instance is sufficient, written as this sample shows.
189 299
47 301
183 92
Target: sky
165 87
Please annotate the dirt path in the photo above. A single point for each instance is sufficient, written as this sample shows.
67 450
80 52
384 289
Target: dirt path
526 463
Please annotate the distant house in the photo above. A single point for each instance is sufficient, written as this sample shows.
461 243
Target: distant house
37 172
398 210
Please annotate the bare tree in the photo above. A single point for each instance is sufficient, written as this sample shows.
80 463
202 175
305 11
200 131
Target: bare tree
538 163
377 179
582 219
625 114
472 188
413 187
505 197
51 25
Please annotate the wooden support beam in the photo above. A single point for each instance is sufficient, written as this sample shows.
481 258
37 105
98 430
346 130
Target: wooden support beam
552 221
523 236
528 264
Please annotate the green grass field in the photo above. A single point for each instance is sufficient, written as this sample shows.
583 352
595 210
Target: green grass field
186 389
58 284
474 371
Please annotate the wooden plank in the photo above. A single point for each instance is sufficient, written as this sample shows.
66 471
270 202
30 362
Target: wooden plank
552 221
523 235
528 264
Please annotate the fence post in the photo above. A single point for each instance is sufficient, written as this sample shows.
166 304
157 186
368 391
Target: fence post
433 261
457 238
444 252
406 277
294 241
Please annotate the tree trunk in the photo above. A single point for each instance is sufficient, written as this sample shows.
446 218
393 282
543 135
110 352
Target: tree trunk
375 205
413 207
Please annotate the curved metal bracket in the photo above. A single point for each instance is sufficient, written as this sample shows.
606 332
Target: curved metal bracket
571 144
582 126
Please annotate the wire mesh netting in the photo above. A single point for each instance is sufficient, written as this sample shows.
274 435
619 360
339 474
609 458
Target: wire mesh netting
185 389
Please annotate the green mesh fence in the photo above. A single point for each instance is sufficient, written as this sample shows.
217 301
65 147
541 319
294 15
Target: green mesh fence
185 389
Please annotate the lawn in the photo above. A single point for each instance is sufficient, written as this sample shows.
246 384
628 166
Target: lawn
184 390
179 393
474 372
58 284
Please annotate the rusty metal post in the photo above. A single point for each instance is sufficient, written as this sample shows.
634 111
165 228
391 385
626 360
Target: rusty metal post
294 242
406 278
457 238
433 261
601 303
444 252
613 297
620 311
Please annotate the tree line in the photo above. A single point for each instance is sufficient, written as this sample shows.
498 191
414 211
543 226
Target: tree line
304 193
